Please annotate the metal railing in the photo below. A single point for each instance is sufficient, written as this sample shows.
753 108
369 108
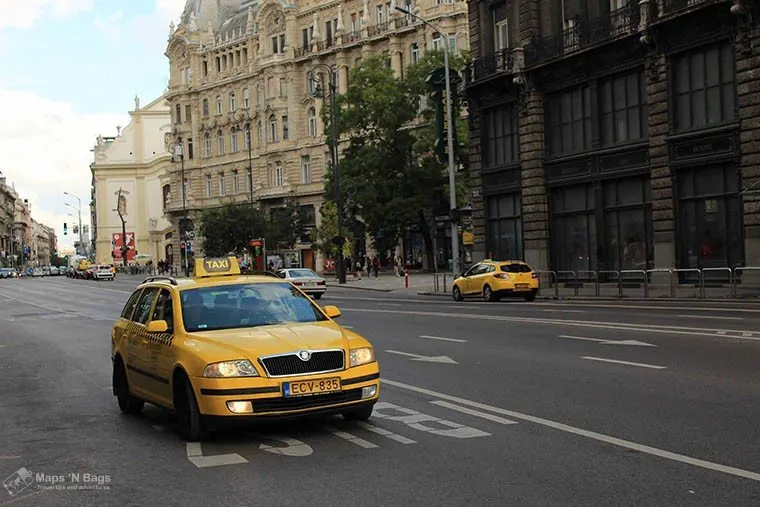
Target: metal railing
659 283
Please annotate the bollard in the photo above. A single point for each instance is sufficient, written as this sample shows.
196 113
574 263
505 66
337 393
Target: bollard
406 280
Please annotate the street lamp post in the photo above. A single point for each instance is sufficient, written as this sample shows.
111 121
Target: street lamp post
334 156
79 213
449 138
179 152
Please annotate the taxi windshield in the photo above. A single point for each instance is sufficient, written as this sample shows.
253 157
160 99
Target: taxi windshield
246 305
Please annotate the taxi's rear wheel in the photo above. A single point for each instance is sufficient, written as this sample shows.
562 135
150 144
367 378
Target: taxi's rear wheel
360 414
127 403
317 296
457 294
189 420
530 297
488 294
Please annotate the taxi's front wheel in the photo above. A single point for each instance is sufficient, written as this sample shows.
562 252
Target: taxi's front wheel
189 421
127 403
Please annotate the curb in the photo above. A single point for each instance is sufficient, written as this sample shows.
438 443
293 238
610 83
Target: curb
753 301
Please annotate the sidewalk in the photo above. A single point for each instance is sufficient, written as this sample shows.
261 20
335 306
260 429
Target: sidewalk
387 282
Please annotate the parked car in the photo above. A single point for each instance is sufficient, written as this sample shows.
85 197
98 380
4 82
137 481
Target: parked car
306 280
6 273
102 272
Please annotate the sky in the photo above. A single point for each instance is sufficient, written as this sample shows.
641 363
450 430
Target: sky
71 70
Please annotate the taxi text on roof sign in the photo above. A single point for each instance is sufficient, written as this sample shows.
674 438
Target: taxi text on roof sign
216 266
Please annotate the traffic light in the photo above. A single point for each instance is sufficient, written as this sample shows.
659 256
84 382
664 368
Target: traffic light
65 231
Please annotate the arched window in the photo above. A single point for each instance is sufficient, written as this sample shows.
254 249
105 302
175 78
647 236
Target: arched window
206 145
273 137
167 191
246 98
233 102
278 175
218 104
248 136
219 143
259 134
312 122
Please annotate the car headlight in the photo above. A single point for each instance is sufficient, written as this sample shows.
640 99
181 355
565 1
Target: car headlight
237 368
361 356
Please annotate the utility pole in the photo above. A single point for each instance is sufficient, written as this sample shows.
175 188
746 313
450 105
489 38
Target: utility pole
124 247
249 174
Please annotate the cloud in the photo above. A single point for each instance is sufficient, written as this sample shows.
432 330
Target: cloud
111 27
45 151
23 14
153 28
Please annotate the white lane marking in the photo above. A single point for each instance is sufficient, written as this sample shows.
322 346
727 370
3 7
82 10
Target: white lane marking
564 311
389 304
388 434
441 338
746 335
648 328
425 359
627 363
196 457
347 327
714 317
583 433
580 338
292 447
414 419
609 342
158 427
476 413
352 438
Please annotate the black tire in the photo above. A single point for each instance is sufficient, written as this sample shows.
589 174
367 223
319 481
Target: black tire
127 403
360 414
189 421
530 297
488 295
317 296
457 294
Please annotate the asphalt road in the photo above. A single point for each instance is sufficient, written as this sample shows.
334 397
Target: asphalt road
513 403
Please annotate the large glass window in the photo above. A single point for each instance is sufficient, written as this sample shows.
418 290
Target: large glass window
500 136
710 217
628 220
505 238
568 116
705 88
623 109
574 244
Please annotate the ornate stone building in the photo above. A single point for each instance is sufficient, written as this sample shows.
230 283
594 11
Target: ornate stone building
8 198
130 174
243 70
614 134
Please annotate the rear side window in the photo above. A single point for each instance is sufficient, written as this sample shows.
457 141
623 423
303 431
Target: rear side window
516 268
129 308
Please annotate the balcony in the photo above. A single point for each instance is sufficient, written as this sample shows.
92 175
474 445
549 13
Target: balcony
499 62
673 6
379 28
583 34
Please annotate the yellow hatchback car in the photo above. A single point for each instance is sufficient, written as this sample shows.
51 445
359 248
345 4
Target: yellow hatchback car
226 348
493 280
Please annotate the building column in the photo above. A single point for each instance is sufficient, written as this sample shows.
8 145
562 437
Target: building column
661 176
748 92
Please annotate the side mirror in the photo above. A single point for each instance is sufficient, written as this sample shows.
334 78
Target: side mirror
157 326
332 311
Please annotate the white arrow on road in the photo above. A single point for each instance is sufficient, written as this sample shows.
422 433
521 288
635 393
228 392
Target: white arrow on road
609 342
427 359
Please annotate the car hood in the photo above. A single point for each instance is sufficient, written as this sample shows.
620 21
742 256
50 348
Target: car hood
279 339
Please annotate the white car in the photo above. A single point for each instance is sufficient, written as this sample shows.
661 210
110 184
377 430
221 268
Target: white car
306 280
103 272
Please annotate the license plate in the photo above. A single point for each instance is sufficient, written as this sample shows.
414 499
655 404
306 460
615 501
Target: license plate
522 286
311 284
308 387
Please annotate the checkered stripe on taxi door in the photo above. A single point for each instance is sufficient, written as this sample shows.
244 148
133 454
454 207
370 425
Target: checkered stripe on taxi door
157 338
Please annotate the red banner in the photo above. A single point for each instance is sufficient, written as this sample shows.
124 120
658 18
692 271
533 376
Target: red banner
118 241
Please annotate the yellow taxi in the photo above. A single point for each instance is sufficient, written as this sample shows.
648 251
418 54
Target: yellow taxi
493 280
227 348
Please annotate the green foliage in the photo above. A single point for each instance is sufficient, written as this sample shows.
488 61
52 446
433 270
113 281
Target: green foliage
388 171
286 225
230 228
327 232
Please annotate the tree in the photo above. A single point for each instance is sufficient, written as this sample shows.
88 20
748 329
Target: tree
388 168
327 232
286 225
230 228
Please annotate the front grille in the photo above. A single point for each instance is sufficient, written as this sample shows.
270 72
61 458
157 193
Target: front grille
291 364
304 402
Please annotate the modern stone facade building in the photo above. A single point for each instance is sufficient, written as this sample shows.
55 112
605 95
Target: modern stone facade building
243 70
130 173
614 134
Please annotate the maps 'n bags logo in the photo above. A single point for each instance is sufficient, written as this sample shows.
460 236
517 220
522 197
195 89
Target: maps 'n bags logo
18 481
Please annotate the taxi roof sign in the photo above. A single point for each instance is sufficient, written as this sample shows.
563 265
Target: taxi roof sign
207 267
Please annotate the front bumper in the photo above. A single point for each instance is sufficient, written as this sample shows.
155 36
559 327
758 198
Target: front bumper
266 396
